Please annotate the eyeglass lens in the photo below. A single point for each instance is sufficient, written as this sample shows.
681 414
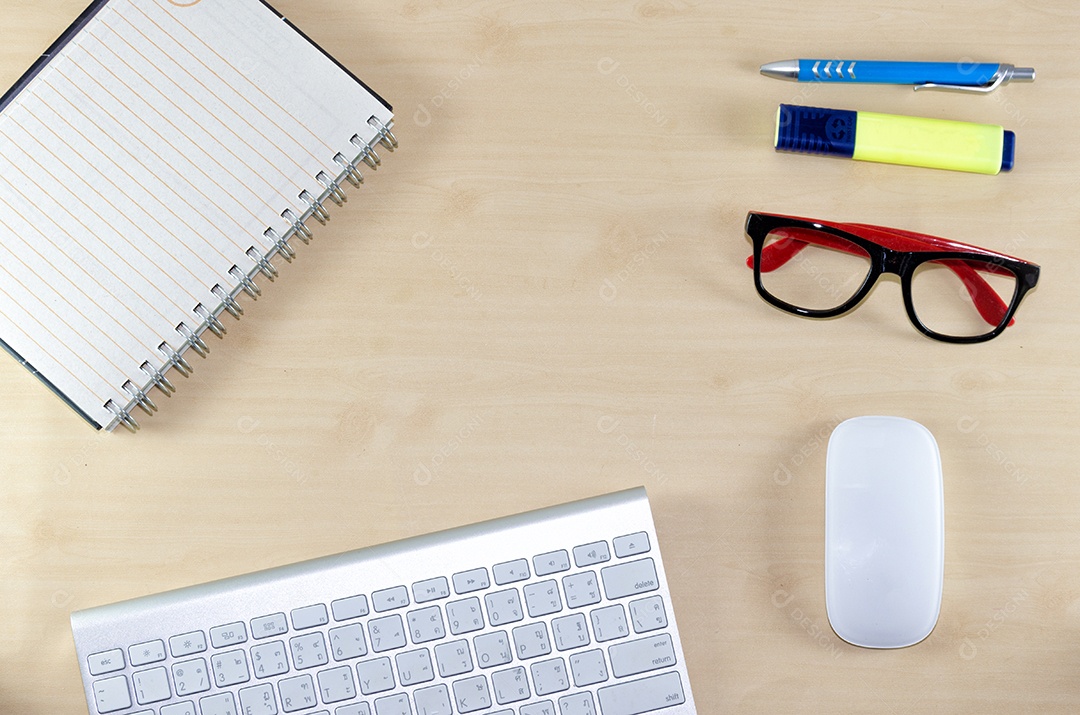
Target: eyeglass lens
962 297
812 269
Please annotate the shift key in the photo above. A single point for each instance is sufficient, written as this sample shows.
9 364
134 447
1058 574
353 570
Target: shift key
629 578
642 696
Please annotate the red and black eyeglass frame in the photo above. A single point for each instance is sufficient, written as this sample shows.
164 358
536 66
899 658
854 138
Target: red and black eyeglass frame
893 251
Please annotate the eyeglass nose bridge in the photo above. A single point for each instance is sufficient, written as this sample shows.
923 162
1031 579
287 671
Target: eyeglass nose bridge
894 263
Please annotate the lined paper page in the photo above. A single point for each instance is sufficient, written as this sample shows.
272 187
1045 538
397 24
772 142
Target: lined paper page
141 165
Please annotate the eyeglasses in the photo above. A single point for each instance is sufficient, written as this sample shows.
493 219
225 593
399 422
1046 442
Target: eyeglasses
819 269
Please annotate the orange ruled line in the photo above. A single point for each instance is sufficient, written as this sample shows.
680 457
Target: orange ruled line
152 151
89 231
254 130
273 101
180 131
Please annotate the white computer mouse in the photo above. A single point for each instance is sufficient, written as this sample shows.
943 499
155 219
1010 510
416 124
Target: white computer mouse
884 532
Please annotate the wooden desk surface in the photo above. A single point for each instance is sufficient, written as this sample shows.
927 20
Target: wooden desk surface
542 296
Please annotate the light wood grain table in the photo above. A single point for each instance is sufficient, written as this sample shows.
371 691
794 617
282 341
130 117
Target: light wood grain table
542 296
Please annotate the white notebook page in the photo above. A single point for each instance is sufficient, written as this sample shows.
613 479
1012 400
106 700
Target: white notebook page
141 165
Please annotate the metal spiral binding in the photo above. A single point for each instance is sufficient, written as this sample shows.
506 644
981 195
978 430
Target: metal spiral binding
246 283
228 302
278 244
336 194
194 341
124 416
175 359
142 399
158 380
263 264
299 229
212 323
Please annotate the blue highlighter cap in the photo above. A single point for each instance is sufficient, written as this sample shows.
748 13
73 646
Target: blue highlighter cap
813 130
1008 150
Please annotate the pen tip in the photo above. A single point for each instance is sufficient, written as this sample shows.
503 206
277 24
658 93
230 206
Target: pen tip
784 69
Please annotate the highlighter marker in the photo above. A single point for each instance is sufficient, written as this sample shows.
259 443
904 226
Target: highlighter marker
895 139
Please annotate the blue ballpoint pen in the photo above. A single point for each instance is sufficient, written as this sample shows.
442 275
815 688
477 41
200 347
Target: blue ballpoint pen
961 76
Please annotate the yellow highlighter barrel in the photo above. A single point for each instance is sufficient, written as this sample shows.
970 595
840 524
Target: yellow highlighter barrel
895 139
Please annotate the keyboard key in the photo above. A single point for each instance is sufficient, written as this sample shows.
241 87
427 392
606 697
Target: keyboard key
308 651
258 700
504 607
631 544
588 668
151 686
108 661
230 668
336 685
390 598
433 701
551 562
414 667
570 632
348 642
393 705
267 626
297 693
589 554
146 653
345 609
511 571
531 641
469 581
465 616
542 598
577 704
227 635
309 617
221 704
648 614
510 685
544 707
431 590
492 649
111 694
387 633
549 676
187 644
472 694
354 709
642 655
628 579
185 708
426 624
453 658
375 676
642 696
581 589
609 623
190 677
269 659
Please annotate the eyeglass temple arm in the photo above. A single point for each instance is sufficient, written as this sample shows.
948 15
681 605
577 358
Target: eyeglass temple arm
987 302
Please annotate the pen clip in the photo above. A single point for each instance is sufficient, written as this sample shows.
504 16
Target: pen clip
1003 75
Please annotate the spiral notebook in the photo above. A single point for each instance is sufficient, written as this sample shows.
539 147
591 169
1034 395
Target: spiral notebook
153 164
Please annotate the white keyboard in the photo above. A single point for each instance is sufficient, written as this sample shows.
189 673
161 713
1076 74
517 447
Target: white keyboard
560 611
